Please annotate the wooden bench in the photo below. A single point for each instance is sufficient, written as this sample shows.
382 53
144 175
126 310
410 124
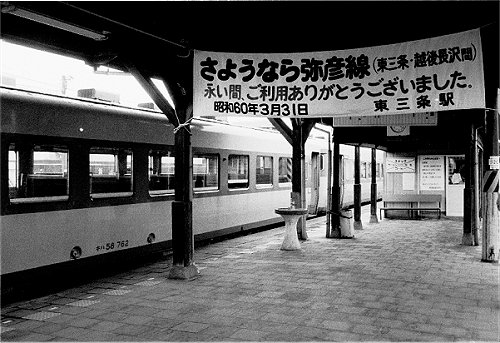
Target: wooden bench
414 203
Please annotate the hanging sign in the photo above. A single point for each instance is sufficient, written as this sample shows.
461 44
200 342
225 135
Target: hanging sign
435 74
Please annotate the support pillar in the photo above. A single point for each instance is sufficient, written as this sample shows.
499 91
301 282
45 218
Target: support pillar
182 207
336 205
358 225
300 133
478 168
470 190
491 206
329 190
297 138
373 198
298 179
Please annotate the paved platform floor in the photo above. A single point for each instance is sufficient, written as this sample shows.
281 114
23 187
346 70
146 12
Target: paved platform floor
398 280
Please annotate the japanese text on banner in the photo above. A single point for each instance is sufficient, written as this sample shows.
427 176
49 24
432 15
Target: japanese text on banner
435 74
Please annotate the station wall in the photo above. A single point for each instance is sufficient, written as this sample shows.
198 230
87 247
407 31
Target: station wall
411 173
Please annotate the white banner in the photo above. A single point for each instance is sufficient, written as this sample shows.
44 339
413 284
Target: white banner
435 74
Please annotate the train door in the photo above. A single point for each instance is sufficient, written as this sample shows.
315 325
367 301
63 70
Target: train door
455 185
314 200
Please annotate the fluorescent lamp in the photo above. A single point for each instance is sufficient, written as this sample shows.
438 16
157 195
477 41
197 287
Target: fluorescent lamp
42 19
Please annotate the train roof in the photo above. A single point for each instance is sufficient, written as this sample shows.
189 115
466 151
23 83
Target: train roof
34 113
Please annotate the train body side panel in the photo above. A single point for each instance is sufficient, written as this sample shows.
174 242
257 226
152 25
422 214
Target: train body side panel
46 238
211 214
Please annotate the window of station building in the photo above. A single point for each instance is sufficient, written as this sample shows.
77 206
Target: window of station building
161 172
110 172
264 171
284 170
205 173
238 171
38 173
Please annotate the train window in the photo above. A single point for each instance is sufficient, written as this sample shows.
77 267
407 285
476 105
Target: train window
238 171
284 170
322 162
205 173
110 172
264 171
362 171
38 173
368 170
161 172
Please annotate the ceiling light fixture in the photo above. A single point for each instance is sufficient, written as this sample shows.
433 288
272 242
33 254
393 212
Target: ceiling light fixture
43 19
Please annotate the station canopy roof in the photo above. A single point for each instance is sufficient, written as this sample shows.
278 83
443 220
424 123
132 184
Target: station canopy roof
156 35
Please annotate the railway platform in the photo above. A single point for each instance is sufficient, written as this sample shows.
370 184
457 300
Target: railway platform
397 280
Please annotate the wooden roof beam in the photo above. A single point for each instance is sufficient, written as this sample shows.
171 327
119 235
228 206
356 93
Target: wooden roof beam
280 125
153 91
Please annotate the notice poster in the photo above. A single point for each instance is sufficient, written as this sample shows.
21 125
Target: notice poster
400 164
432 173
435 74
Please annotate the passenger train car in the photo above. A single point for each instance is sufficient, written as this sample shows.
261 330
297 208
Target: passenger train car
82 179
